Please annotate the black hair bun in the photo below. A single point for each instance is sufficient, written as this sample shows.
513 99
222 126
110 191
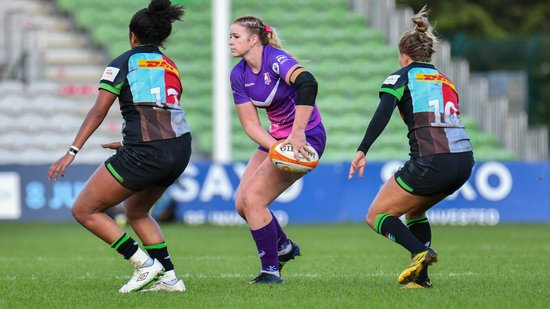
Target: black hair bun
158 5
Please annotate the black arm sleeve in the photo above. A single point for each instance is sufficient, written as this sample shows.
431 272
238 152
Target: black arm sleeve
306 89
379 121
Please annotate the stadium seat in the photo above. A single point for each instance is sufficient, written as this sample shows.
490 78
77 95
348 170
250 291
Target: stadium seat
43 87
12 87
349 59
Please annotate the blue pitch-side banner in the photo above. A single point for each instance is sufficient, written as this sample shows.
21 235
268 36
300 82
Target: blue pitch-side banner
496 193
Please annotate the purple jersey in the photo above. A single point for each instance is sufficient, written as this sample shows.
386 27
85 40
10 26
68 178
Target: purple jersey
268 89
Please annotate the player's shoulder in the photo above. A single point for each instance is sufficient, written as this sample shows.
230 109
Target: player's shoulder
123 58
277 60
169 60
139 53
396 78
273 54
238 69
118 67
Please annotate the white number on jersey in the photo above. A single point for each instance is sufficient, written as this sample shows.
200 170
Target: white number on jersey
450 118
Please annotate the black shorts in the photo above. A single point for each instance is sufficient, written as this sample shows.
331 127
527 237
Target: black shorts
159 162
435 174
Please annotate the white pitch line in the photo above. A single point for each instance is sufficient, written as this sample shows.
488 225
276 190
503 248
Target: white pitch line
88 276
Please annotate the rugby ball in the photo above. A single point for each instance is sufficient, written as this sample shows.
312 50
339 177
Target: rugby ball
283 158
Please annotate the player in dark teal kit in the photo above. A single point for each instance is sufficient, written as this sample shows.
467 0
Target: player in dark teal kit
155 150
440 150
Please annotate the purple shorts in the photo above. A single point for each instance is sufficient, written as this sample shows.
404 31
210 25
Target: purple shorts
316 137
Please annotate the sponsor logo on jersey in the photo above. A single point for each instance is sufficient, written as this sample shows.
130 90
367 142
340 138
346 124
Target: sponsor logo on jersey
158 64
391 80
275 67
267 79
282 58
434 78
110 73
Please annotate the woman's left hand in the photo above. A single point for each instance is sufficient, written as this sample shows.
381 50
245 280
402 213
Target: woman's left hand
299 145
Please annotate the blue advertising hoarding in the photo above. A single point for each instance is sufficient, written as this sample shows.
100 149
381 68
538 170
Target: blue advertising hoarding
496 192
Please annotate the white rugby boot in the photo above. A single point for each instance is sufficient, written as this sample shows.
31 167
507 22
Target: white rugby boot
143 275
167 282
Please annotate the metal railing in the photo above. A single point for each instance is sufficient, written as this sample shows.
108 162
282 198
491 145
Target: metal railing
22 44
492 114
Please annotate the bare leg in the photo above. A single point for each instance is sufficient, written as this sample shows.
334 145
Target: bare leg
392 202
395 201
259 189
100 193
257 158
264 186
138 208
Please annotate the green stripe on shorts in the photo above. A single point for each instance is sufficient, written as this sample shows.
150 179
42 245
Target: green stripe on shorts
403 184
117 175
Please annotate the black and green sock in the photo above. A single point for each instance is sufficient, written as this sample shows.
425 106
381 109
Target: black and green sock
160 252
393 229
420 228
125 245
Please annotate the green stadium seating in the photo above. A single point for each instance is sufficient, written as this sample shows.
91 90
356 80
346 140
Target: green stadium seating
349 59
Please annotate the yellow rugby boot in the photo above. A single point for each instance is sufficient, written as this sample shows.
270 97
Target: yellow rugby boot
416 285
418 262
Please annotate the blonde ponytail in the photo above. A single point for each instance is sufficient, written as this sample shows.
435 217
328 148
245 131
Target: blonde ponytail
419 44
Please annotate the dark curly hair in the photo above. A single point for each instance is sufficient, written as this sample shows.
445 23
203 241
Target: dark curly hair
153 24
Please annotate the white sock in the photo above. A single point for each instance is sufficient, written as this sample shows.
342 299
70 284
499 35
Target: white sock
286 249
140 258
276 273
169 277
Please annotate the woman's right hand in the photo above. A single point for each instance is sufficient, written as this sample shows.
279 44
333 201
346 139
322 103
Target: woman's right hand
60 166
358 162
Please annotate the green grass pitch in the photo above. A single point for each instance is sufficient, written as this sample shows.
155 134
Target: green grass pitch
342 266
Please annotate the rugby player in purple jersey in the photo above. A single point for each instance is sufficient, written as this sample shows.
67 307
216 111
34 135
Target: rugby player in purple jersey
269 78
440 150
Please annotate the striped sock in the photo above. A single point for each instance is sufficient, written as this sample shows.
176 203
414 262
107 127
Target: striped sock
393 229
160 252
125 245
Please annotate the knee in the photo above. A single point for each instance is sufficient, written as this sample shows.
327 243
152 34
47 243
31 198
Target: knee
239 207
240 210
82 213
247 203
244 203
77 213
371 218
